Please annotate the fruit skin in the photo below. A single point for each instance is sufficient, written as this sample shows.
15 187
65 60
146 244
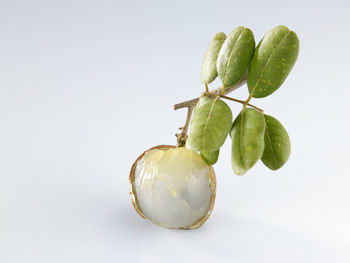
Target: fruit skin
135 202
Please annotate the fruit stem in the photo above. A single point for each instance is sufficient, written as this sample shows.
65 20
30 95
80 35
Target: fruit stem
206 87
182 137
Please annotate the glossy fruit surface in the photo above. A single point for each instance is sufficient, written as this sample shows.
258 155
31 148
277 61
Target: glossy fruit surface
173 187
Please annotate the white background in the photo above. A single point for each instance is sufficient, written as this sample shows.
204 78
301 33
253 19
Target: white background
87 86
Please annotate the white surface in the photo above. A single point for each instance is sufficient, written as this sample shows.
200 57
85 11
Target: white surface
87 86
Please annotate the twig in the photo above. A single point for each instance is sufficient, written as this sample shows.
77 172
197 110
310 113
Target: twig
188 119
190 104
182 137
217 91
242 102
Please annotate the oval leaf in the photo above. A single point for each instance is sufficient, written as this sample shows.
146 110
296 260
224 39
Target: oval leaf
247 140
210 157
210 125
209 72
235 55
273 59
277 144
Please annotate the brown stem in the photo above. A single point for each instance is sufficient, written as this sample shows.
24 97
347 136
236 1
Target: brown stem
182 137
217 91
188 119
242 102
190 104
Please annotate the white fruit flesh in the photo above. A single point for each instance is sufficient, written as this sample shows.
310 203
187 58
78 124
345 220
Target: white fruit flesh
173 187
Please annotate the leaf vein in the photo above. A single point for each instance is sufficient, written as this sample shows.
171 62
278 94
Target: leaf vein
272 150
207 120
241 139
267 62
230 56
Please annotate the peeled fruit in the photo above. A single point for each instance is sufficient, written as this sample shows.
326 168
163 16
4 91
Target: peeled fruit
173 187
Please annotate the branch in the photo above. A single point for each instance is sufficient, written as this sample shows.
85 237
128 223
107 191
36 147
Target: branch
182 137
193 102
190 104
242 102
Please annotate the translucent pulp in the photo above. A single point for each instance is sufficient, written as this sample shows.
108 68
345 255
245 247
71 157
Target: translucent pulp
174 187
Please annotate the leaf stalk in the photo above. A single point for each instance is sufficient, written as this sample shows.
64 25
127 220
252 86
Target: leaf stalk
190 104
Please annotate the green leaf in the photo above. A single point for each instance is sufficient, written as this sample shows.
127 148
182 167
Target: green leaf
210 157
273 59
210 125
247 140
209 72
277 144
235 55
